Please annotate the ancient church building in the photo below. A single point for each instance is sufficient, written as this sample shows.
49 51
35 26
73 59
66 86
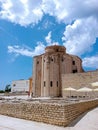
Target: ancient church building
48 69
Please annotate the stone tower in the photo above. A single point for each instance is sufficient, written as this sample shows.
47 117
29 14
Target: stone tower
48 69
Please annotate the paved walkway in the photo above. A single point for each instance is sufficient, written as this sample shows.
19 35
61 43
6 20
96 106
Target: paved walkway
88 121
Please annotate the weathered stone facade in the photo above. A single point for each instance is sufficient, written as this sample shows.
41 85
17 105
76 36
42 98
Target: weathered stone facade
48 69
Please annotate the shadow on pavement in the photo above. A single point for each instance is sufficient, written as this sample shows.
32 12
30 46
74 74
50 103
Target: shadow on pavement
75 121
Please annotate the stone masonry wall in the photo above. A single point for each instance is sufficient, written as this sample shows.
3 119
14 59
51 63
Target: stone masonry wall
79 80
56 114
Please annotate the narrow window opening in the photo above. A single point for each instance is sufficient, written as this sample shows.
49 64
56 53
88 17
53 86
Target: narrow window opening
62 59
74 71
51 59
44 83
37 62
57 83
51 83
73 62
57 50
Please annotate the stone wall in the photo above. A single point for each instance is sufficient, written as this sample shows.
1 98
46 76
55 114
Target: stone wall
78 80
51 113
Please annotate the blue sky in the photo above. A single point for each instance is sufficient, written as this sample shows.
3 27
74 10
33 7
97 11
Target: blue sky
28 26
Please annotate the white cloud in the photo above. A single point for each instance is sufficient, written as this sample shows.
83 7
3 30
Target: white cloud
20 51
81 35
91 62
81 18
39 49
69 10
49 40
26 51
23 12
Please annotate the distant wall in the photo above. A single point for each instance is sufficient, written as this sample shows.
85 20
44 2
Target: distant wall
78 80
56 114
20 86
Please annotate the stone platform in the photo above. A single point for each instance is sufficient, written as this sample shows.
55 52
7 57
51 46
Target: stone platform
59 112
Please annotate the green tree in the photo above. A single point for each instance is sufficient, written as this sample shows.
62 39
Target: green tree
8 88
1 91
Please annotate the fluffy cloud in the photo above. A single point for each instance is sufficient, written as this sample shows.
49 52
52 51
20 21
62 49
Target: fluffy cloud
69 10
81 35
26 51
91 62
20 51
81 18
49 40
21 12
25 12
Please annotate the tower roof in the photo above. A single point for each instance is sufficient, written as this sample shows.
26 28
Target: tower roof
55 48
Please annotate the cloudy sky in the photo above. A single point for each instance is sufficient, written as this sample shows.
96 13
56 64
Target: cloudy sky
28 26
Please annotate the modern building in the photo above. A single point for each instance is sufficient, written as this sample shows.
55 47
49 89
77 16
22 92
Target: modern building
22 86
48 69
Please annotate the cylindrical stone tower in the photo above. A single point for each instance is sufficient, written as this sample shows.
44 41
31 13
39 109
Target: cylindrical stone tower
48 69
51 74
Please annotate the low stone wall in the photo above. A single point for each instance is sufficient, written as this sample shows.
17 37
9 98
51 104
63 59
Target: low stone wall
52 113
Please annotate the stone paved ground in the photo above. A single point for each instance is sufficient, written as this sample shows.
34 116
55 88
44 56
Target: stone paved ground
88 121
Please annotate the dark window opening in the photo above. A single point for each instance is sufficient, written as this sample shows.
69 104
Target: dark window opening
57 83
74 71
51 83
51 59
44 83
73 62
62 59
37 62
57 50
14 84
